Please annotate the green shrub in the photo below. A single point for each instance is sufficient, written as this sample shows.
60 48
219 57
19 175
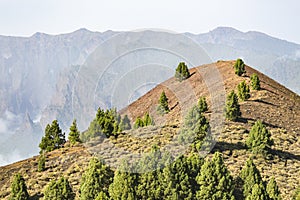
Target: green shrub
163 105
239 67
18 188
255 82
182 71
232 107
59 190
259 139
243 91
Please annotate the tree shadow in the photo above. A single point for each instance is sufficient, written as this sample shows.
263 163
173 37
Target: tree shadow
264 102
268 89
245 120
174 105
192 74
226 146
284 155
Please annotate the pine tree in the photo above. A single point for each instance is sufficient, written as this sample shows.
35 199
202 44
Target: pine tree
125 123
102 196
215 180
53 139
182 185
149 185
273 190
182 71
41 163
255 82
232 107
147 120
202 104
59 190
106 122
297 194
258 192
194 162
74 135
194 129
243 91
96 179
138 123
250 176
18 188
259 139
239 67
163 106
123 185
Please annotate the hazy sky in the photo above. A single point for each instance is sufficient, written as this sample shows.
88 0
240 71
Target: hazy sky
279 18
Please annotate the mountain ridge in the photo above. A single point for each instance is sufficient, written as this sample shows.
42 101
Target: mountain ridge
274 104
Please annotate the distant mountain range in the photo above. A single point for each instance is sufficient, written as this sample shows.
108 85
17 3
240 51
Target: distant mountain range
44 77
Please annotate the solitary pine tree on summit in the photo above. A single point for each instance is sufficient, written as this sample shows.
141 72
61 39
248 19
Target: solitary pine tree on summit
163 106
182 71
239 67
74 133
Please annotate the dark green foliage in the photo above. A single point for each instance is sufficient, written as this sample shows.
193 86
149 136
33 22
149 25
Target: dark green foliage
125 123
74 133
215 180
138 123
258 192
243 91
259 139
194 129
59 190
18 188
182 71
255 82
146 121
150 179
41 163
202 104
106 123
96 179
273 190
178 180
102 196
297 194
163 178
250 176
232 107
124 184
53 139
163 106
239 67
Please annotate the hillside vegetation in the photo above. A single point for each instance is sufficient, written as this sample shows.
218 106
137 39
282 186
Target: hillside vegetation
275 106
